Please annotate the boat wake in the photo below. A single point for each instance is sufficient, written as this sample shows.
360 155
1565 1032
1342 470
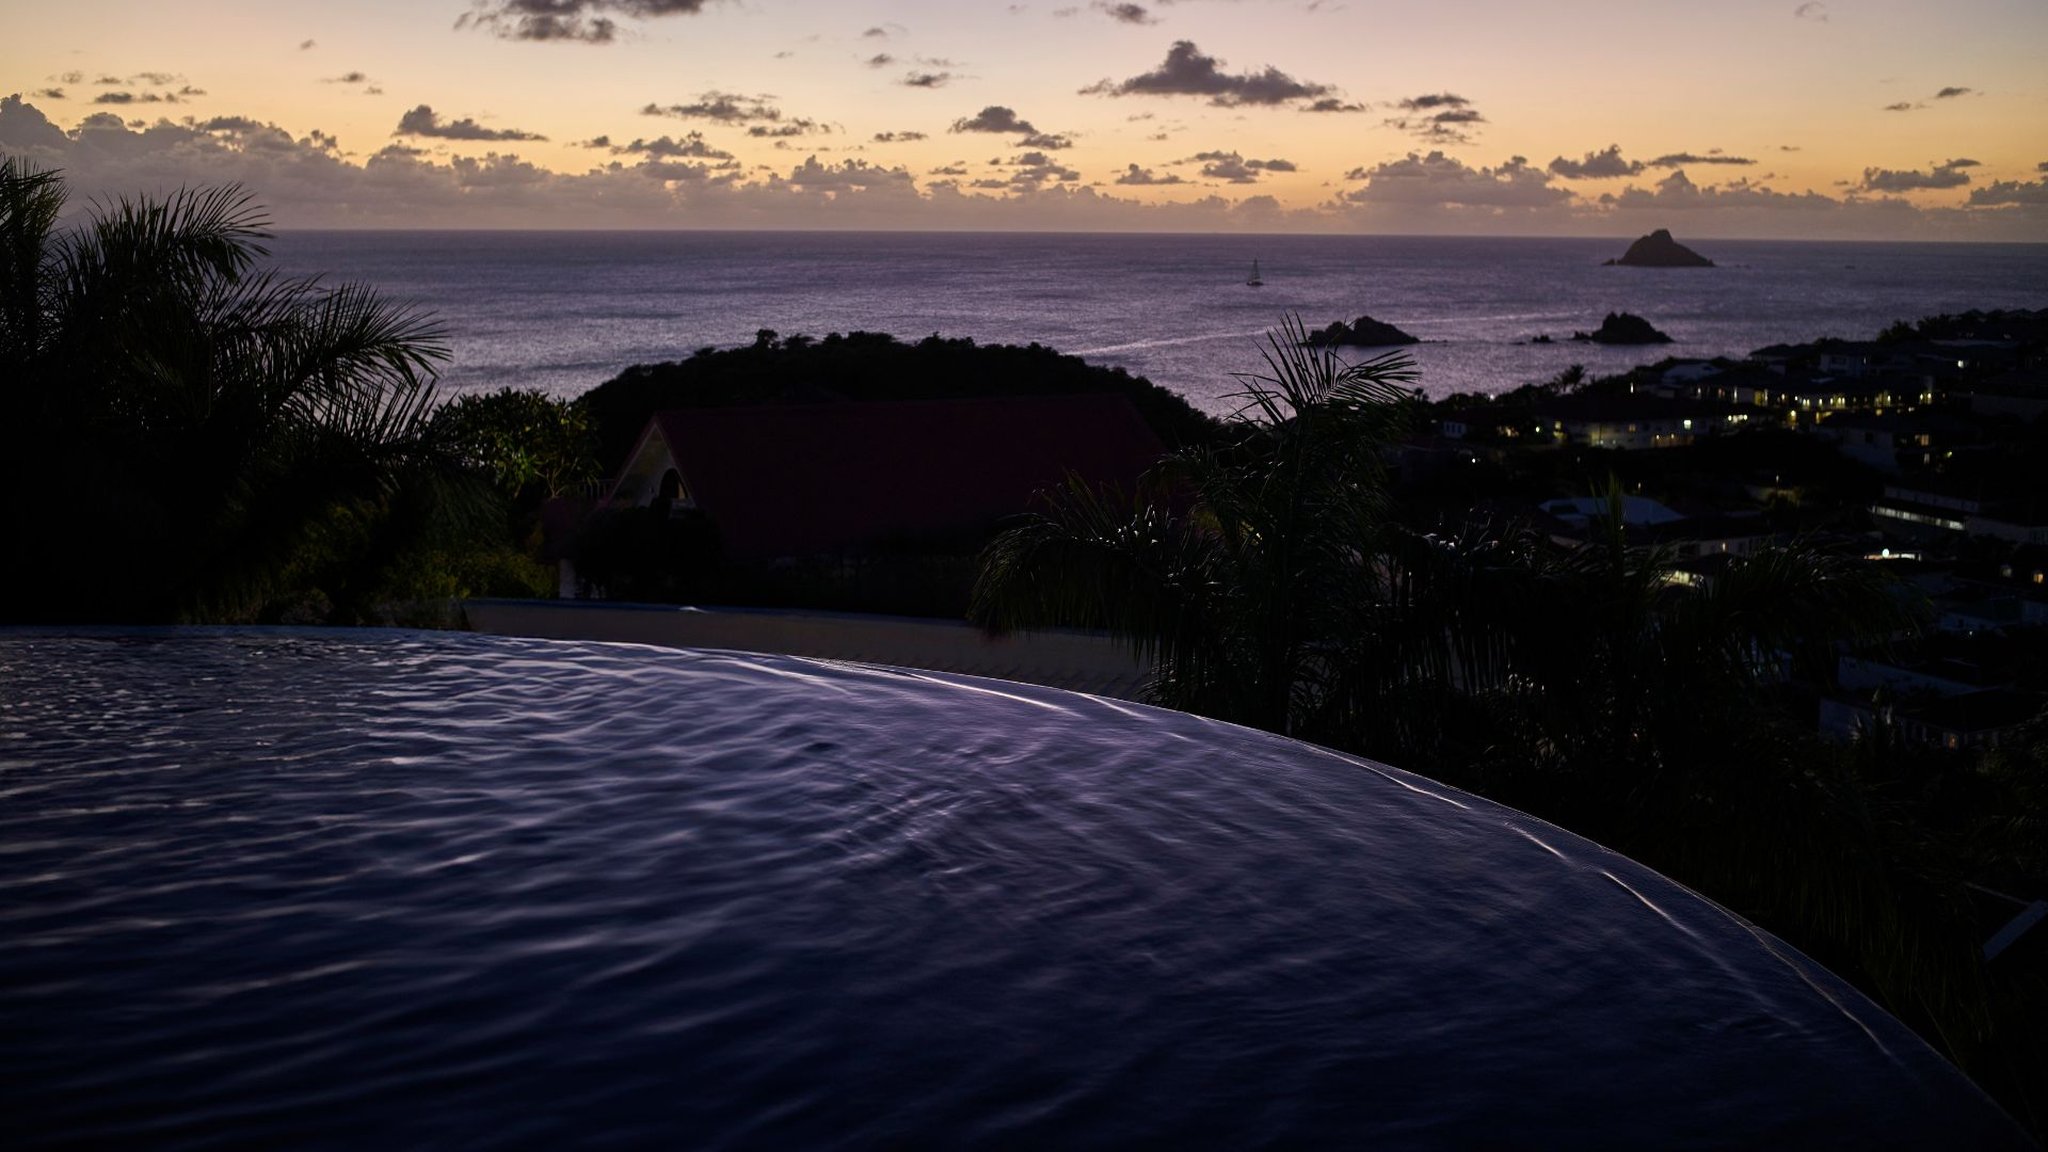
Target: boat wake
1174 342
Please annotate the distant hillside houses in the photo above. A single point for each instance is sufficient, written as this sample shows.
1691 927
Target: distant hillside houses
1803 386
1645 522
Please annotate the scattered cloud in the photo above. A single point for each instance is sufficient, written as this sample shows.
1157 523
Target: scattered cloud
2015 192
692 146
1605 164
424 121
1947 175
1126 13
51 93
306 45
1681 159
1430 102
235 124
897 137
1437 180
1187 72
1811 10
1232 168
1048 140
1029 171
847 176
1135 175
786 129
927 79
1949 93
721 107
994 118
1437 117
347 78
587 21
880 60
1332 104
1677 192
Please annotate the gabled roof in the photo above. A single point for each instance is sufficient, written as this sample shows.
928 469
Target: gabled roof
806 479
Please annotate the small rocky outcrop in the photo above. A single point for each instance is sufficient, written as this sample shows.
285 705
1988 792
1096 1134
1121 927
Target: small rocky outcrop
1364 332
1659 250
1623 328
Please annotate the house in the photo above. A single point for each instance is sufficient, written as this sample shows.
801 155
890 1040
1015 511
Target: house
1816 398
1925 506
1632 422
802 480
1574 520
1685 380
1491 424
1887 443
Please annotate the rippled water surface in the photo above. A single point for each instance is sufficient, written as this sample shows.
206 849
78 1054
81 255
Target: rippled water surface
353 888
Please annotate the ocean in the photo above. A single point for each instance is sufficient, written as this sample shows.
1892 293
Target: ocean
566 311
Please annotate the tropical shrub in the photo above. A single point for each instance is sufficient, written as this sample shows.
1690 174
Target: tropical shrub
183 426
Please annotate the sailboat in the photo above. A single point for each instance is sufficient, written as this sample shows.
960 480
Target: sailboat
1253 280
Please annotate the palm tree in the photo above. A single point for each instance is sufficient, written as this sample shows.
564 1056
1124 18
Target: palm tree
1238 565
185 426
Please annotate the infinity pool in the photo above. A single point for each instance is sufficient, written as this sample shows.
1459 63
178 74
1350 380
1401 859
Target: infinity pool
297 889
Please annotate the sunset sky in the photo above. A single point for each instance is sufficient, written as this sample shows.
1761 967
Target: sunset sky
1773 118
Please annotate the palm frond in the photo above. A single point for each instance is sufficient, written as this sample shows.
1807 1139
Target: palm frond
31 199
1090 560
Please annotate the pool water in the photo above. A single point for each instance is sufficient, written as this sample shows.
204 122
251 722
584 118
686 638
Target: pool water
341 888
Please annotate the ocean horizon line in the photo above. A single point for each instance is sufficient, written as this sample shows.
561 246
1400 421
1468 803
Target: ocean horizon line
985 233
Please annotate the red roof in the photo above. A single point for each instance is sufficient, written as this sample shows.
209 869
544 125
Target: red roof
800 480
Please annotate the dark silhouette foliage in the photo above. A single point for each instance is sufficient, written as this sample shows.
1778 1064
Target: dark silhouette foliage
863 366
189 434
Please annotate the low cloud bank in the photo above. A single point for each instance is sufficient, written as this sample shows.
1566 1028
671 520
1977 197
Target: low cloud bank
309 180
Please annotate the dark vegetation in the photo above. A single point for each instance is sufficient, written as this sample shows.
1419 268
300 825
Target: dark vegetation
191 438
861 366
664 555
1306 591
